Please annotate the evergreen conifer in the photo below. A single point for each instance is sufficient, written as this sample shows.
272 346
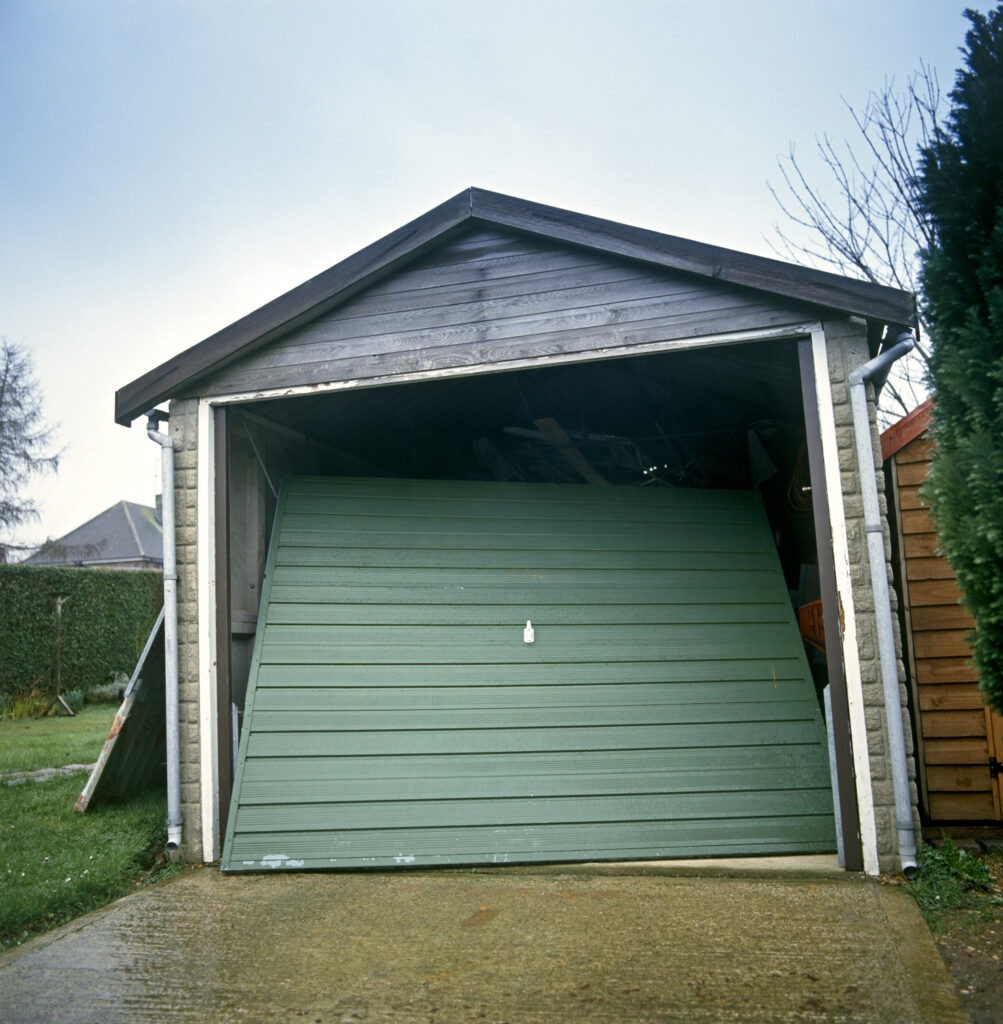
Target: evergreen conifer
961 186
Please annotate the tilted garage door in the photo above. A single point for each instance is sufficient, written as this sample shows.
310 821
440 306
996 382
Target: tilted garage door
396 714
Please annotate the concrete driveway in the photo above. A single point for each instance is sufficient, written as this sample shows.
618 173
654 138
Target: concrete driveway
610 943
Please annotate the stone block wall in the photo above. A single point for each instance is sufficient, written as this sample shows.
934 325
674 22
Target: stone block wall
846 343
183 426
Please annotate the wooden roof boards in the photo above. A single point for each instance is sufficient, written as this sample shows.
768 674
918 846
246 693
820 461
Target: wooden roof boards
496 298
477 206
802 283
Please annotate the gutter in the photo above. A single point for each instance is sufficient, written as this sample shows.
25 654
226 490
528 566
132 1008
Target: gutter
174 819
876 371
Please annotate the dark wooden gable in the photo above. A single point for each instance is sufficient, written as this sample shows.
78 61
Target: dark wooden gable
475 207
491 297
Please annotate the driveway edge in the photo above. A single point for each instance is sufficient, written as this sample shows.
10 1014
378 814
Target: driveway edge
927 974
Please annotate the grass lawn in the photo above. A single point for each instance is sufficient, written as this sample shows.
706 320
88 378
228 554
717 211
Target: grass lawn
27 744
56 864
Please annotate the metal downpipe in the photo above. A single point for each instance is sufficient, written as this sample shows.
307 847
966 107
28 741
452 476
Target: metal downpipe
174 819
877 368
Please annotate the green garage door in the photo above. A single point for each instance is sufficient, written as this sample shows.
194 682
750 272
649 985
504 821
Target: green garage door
397 715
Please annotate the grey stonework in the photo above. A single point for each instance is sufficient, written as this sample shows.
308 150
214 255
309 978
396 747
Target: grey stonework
846 344
184 432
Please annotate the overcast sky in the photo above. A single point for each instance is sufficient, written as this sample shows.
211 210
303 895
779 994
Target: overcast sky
170 165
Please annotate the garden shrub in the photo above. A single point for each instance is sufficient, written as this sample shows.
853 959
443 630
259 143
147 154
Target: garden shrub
106 617
108 693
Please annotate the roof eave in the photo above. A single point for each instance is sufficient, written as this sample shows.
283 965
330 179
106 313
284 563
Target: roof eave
301 304
805 284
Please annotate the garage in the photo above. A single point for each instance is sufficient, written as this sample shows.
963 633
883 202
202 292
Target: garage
648 455
462 673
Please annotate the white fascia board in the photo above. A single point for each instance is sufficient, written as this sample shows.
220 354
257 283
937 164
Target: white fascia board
206 591
792 331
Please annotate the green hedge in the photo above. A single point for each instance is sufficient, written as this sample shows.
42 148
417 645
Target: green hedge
106 619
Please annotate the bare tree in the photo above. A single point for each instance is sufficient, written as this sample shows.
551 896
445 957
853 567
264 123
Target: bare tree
25 441
860 215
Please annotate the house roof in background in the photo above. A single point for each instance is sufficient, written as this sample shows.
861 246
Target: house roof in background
125 532
477 206
898 435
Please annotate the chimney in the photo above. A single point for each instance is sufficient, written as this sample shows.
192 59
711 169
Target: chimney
160 508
